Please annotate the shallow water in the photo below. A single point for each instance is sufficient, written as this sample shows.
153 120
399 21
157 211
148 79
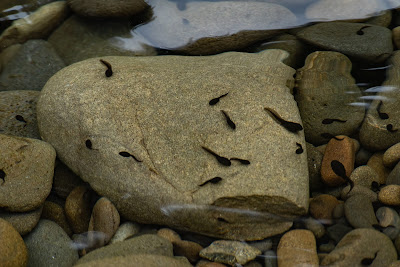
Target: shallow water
169 27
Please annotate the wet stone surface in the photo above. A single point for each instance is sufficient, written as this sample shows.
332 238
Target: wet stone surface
194 175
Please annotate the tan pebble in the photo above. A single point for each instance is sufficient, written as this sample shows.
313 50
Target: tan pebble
105 219
77 209
395 264
358 189
390 195
169 234
321 208
13 251
356 144
376 163
55 212
342 151
364 176
297 248
188 249
391 156
125 230
65 180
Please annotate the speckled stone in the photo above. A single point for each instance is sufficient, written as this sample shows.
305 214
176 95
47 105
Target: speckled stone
23 222
383 19
323 87
270 259
169 234
321 208
18 113
359 211
262 245
297 247
169 183
37 25
362 157
230 252
13 251
27 167
143 244
78 209
104 219
125 231
107 9
364 176
374 133
360 244
342 151
49 245
390 195
392 156
344 37
376 163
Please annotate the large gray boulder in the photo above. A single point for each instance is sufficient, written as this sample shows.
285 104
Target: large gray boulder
145 137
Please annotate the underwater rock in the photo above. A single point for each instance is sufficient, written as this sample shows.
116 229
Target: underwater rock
26 172
361 244
153 139
355 40
327 97
12 246
381 126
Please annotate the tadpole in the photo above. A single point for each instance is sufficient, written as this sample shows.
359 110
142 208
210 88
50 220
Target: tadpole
109 71
293 127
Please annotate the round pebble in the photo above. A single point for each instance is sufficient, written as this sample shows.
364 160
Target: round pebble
338 211
342 151
388 217
364 176
376 163
394 176
169 234
359 211
105 219
13 251
188 249
321 208
49 245
55 212
314 226
390 195
297 247
124 231
391 156
77 209
23 222
358 189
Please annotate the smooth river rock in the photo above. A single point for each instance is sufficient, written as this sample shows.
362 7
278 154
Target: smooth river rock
148 139
381 127
327 96
26 172
356 40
